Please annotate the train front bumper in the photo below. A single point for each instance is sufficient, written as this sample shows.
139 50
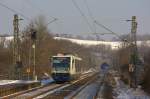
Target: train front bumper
61 77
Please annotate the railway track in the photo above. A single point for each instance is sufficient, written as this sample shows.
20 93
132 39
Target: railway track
22 92
9 87
34 93
68 91
54 91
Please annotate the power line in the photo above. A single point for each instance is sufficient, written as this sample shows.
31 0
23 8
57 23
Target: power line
82 14
101 25
25 17
38 8
111 32
89 11
90 14
53 19
14 11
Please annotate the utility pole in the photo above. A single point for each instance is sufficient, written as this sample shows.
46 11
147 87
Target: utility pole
17 49
134 53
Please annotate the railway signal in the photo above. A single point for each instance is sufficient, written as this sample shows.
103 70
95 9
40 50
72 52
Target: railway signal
33 38
33 35
104 67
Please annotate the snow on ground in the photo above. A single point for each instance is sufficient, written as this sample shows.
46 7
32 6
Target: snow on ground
89 71
91 42
46 81
123 91
113 44
6 82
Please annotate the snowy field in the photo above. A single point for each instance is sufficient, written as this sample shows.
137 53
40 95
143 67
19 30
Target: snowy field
123 91
112 44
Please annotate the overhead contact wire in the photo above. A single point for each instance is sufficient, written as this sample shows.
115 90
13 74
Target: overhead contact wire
90 14
14 11
82 14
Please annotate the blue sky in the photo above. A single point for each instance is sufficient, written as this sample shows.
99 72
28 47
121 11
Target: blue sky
111 13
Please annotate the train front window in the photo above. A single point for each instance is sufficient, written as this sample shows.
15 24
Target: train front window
61 63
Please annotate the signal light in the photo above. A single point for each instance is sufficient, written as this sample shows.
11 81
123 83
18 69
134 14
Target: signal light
33 35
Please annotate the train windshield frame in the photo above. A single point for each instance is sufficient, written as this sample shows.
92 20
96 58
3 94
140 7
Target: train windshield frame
61 63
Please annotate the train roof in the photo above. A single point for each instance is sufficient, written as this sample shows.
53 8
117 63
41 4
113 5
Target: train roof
75 57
